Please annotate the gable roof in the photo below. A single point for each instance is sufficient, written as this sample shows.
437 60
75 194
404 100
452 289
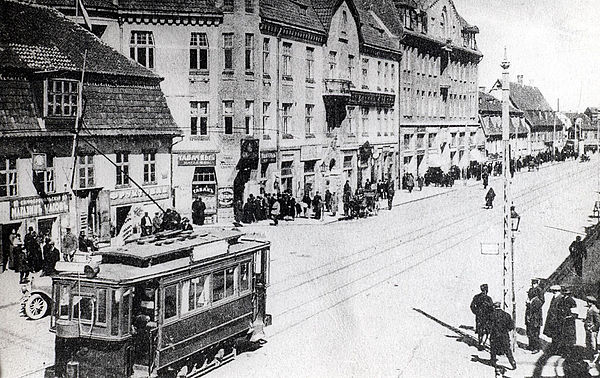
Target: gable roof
142 6
372 32
490 116
586 121
293 12
490 104
527 97
38 38
325 9
387 13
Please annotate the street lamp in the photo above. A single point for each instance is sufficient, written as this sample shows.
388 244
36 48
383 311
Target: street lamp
515 220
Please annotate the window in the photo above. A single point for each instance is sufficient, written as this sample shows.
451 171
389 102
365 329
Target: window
407 138
385 121
249 6
8 177
265 115
308 118
83 308
141 48
149 167
199 52
286 116
286 68
379 75
365 119
122 163
223 284
431 141
365 73
170 301
204 174
86 171
392 122
244 276
228 51
228 5
199 118
266 57
332 64
249 117
351 67
101 306
44 180
379 121
194 294
344 23
310 64
228 116
351 121
385 76
62 98
249 56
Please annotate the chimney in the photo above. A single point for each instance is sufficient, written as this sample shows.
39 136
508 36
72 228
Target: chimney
482 89
520 79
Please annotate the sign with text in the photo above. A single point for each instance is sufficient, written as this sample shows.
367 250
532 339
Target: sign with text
310 152
205 159
37 207
133 195
225 197
268 157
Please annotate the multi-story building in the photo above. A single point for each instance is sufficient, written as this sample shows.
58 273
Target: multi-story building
545 127
490 119
579 127
593 114
438 86
80 150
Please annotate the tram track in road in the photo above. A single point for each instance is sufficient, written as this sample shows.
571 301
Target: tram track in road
522 199
371 251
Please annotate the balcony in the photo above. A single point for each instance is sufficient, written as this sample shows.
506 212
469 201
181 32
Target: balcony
337 87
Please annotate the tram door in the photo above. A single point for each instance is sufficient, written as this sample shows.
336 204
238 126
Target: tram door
144 320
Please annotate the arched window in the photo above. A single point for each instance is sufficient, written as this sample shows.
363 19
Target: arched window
444 23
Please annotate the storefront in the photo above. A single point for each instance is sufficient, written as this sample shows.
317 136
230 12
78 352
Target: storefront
267 179
309 155
129 205
196 177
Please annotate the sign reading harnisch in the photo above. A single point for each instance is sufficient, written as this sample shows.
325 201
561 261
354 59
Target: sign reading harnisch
32 207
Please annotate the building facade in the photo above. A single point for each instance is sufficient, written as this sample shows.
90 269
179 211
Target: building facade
438 87
120 157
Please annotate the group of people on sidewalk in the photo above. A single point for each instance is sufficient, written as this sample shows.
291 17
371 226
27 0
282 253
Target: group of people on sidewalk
32 254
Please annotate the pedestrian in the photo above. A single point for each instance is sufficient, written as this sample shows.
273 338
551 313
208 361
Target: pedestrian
482 307
536 289
489 198
578 253
69 245
316 203
327 200
306 203
347 197
566 307
11 246
51 257
21 261
83 242
156 222
185 225
146 224
33 249
420 181
334 203
501 324
390 194
591 324
275 210
484 178
552 328
410 182
198 211
533 320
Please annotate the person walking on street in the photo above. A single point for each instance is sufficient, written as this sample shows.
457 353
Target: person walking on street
482 306
501 323
69 245
21 260
156 223
34 251
578 253
568 336
390 194
420 181
533 320
552 328
484 179
317 204
346 198
146 224
591 324
275 209
489 198
410 182
198 210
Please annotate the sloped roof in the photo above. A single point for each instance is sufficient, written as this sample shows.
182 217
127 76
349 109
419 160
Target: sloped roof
527 97
372 32
325 9
586 121
17 112
293 12
34 37
88 4
492 124
490 104
169 6
386 11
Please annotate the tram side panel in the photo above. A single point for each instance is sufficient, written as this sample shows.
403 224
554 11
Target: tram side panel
92 357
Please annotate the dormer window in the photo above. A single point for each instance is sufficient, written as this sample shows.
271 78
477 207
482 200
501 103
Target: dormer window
61 98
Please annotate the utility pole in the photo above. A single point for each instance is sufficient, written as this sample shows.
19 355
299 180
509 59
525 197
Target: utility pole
507 246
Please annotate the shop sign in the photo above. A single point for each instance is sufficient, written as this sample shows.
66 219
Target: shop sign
208 194
225 197
268 157
226 161
32 207
197 159
132 195
310 152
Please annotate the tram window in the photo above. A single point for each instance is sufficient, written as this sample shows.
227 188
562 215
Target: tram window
218 291
170 301
196 292
63 308
114 312
101 307
83 308
229 280
125 317
244 274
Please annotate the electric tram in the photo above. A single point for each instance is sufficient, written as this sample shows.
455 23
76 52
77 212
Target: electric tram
163 307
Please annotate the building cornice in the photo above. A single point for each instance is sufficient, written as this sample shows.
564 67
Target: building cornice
296 33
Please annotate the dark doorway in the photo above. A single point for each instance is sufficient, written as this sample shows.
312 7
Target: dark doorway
122 213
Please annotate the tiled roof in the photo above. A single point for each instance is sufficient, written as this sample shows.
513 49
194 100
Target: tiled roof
490 104
293 12
325 9
88 4
17 112
586 122
372 32
35 37
526 97
168 6
492 124
386 11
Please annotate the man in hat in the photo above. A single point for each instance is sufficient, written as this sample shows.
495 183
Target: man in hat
501 323
568 335
591 324
533 319
69 245
146 224
536 289
482 306
578 252
552 329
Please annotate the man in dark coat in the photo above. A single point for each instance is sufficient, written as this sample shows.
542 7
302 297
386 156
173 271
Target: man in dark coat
482 306
567 318
317 204
533 320
489 198
51 257
146 224
501 324
552 328
34 251
346 198
390 193
198 209
484 178
578 252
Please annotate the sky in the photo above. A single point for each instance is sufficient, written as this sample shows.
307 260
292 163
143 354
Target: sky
554 44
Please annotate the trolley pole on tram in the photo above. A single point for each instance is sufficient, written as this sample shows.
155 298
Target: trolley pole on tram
507 247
